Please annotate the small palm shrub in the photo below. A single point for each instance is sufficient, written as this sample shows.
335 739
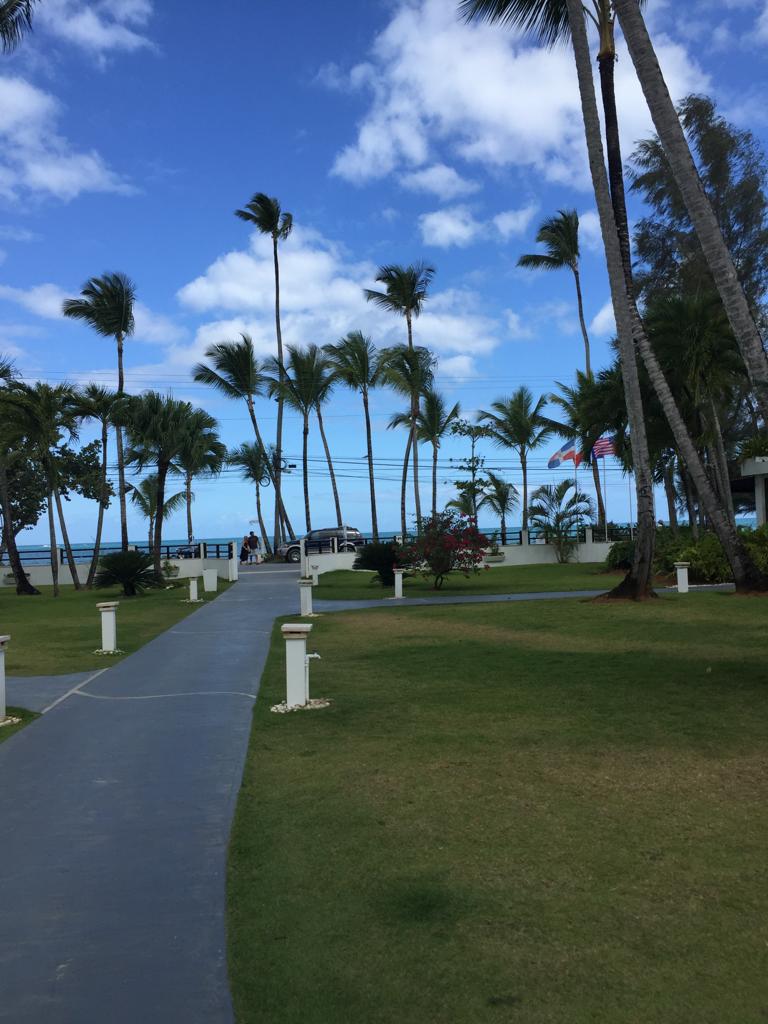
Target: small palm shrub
382 559
620 555
131 570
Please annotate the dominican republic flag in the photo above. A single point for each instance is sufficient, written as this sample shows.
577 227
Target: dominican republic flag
603 447
568 451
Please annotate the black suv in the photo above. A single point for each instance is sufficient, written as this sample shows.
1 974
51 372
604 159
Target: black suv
321 542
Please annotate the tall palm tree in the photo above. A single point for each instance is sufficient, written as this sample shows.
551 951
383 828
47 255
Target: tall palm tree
106 305
11 440
354 360
518 423
144 497
202 454
253 462
560 237
434 422
267 216
156 428
405 291
236 373
95 402
501 497
578 422
15 22
697 203
630 330
409 372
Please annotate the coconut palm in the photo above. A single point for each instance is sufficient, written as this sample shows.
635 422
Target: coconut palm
235 372
324 380
405 291
144 497
354 360
254 464
409 372
464 504
15 22
267 216
697 203
560 237
11 439
579 422
434 422
501 497
559 514
95 402
156 430
518 423
202 454
106 305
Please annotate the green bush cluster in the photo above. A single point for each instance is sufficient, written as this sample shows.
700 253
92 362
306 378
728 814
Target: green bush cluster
708 563
379 558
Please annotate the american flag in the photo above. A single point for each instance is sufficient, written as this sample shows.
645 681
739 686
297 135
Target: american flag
603 447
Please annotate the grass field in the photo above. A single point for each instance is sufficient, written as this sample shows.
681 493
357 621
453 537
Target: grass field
52 636
26 717
349 585
545 813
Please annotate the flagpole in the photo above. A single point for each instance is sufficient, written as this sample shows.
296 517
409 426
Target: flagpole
605 502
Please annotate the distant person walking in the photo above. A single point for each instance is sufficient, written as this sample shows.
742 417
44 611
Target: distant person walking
253 548
245 551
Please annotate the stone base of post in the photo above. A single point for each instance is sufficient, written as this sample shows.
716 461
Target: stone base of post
296 666
193 598
305 597
210 581
108 611
398 583
314 572
682 576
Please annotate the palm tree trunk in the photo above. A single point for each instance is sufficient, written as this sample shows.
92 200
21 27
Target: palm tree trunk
162 472
598 492
120 455
697 203
102 505
409 328
52 543
262 527
151 536
416 493
280 512
721 461
582 323
404 485
305 469
690 505
669 490
434 479
334 488
279 441
524 468
23 586
371 478
65 539
188 499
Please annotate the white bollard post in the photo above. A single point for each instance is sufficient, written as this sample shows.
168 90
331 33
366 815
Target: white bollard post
108 625
210 581
398 583
682 577
314 571
3 641
305 597
296 666
193 589
304 558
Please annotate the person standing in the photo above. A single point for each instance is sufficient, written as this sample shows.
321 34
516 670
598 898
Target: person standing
253 548
245 551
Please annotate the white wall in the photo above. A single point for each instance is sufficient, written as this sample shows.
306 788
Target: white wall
41 576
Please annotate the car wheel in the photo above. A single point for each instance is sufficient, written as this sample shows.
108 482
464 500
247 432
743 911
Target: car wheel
347 548
294 555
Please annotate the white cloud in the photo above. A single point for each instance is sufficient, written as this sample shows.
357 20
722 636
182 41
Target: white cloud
155 327
43 299
590 234
515 222
484 94
761 25
455 225
440 180
34 158
603 322
13 234
456 367
99 28
516 327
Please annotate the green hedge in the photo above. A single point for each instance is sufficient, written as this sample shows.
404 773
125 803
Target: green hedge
708 563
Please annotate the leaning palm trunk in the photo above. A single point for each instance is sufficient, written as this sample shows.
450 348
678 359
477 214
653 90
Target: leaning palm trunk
279 510
65 538
415 450
272 472
434 479
524 468
582 322
157 543
404 485
53 546
697 203
598 492
371 478
188 502
120 454
629 328
722 462
23 586
102 505
305 470
669 491
262 527
328 459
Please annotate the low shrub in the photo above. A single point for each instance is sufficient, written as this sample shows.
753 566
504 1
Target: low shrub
131 570
708 561
448 542
381 558
620 555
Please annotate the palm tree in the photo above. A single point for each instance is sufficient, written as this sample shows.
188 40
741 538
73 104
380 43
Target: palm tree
15 22
106 305
405 291
156 428
354 361
630 330
434 422
98 403
409 372
236 373
253 462
559 514
267 216
144 497
464 504
11 440
518 423
501 498
560 237
579 422
697 203
202 454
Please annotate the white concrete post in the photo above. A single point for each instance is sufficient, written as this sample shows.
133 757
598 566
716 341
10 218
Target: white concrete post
314 572
108 625
682 577
398 582
305 597
304 557
760 509
296 666
210 581
193 588
588 535
3 641
524 538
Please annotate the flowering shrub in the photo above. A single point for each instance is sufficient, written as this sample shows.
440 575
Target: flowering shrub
448 542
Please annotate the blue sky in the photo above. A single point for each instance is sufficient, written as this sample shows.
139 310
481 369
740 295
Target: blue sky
130 132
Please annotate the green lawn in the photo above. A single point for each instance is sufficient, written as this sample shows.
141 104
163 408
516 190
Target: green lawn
545 813
26 717
53 636
349 585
